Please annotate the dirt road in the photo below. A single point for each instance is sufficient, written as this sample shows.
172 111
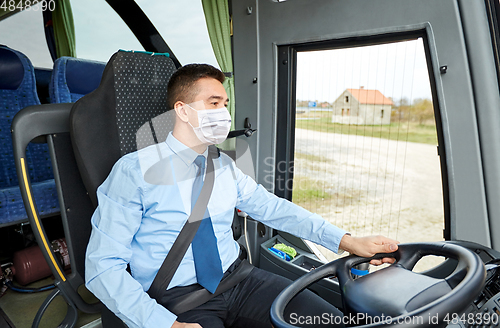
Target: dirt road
378 186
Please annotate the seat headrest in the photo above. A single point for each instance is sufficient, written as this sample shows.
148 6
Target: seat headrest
11 69
83 76
132 93
140 90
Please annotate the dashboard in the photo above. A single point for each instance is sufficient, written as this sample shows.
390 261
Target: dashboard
484 311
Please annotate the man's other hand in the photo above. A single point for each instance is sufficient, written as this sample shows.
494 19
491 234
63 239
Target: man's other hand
185 325
369 246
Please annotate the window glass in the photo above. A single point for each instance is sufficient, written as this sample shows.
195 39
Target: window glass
24 32
365 141
182 25
99 31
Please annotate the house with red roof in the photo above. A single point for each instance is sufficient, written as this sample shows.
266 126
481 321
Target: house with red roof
362 107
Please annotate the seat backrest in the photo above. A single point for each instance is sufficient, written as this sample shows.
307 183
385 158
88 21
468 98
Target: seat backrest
72 78
132 93
18 90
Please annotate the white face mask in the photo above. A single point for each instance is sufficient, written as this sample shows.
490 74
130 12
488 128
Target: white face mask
213 125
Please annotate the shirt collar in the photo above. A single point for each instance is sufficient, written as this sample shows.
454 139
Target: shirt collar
186 154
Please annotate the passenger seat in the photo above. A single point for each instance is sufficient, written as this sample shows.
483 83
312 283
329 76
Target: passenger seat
73 78
18 90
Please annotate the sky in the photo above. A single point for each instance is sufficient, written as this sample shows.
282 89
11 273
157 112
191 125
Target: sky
24 32
397 70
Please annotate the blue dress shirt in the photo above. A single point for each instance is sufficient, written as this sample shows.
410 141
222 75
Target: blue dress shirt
139 218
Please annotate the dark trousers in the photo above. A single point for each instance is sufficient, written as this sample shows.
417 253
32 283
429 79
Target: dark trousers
248 304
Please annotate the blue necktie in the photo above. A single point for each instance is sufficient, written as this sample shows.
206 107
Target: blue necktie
206 255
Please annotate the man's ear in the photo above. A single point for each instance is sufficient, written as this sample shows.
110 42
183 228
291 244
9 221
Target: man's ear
181 111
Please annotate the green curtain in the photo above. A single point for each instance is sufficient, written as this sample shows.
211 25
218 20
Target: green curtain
64 29
219 30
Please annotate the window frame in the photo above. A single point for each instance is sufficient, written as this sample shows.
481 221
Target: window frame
286 107
493 13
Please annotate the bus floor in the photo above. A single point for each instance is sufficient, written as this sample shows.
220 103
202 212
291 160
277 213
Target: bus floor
21 308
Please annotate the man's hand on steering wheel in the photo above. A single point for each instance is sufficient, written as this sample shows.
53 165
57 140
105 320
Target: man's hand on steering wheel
369 246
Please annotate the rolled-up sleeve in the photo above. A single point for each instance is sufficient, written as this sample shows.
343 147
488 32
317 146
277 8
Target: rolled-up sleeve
281 214
114 224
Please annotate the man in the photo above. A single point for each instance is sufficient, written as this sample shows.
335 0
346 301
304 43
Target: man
137 222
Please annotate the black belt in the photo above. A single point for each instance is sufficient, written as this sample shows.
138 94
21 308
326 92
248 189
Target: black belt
198 297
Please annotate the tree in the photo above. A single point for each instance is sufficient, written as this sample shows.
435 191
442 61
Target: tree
402 109
422 110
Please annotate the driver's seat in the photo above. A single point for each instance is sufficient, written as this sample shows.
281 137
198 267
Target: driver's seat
132 92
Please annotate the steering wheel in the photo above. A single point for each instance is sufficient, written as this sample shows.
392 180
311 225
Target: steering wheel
396 295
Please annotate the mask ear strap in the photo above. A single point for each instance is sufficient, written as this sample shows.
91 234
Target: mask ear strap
196 111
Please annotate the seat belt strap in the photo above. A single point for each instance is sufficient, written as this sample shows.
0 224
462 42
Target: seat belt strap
198 297
183 240
176 254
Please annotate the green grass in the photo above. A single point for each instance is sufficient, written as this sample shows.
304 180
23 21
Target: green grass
404 131
311 157
306 190
311 195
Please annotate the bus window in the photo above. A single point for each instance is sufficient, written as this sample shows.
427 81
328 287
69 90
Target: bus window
99 31
365 153
182 25
24 32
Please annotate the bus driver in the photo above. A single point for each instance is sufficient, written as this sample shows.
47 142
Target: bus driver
136 223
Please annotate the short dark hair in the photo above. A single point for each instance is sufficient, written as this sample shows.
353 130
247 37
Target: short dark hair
181 85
